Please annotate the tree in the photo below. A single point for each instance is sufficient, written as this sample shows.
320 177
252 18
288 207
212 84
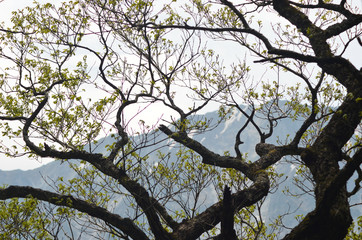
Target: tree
87 69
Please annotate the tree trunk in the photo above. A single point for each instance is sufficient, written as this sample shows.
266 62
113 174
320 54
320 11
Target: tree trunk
227 220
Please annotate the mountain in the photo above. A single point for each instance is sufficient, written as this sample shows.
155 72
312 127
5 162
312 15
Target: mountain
219 140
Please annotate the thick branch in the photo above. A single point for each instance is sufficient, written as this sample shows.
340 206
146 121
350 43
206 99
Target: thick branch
208 156
27 124
329 6
341 179
193 228
346 24
124 224
339 67
8 118
238 142
342 124
149 205
237 12
227 220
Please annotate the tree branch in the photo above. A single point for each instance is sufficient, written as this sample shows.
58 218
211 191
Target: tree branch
237 12
227 220
329 6
339 67
208 156
126 225
193 228
346 24
343 176
8 118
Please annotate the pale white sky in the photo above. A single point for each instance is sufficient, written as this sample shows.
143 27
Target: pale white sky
7 6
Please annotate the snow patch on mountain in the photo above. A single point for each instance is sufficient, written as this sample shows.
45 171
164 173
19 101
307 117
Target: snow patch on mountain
236 116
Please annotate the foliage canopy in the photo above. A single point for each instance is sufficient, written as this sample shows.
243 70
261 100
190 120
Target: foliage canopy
74 72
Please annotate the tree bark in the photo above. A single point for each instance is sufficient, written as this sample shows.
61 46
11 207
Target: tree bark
227 220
